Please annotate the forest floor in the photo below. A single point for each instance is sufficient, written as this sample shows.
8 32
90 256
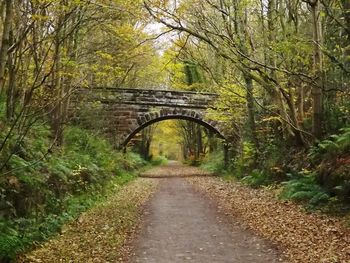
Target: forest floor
99 235
303 237
186 215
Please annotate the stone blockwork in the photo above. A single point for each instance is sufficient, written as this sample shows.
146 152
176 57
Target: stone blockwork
121 113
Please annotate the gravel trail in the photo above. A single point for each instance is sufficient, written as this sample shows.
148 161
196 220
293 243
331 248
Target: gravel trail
180 224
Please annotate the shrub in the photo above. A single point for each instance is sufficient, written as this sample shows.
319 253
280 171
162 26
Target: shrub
214 162
159 160
257 178
337 144
245 163
10 241
332 160
132 161
304 189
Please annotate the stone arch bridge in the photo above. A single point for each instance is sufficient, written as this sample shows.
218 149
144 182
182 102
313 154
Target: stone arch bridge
122 113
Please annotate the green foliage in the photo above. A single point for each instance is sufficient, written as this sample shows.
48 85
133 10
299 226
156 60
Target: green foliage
304 189
251 170
192 73
159 160
42 192
214 162
10 240
244 163
18 234
2 108
257 178
331 160
336 145
132 161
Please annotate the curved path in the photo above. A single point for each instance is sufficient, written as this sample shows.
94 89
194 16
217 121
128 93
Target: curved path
180 224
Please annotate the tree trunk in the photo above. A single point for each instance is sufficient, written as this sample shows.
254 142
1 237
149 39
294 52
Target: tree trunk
241 30
199 141
10 105
301 98
57 84
5 42
251 111
318 71
272 17
346 14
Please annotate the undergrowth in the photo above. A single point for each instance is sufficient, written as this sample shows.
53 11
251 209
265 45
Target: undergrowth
159 160
214 162
319 178
304 188
40 192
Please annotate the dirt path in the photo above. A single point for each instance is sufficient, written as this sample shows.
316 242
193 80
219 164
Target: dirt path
182 225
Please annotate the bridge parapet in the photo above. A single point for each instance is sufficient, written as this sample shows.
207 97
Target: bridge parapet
170 98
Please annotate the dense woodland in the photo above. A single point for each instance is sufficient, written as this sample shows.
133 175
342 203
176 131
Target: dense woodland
281 70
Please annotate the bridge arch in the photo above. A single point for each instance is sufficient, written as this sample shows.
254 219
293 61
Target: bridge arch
166 114
121 113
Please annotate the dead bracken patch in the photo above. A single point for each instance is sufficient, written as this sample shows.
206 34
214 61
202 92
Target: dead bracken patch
305 238
99 234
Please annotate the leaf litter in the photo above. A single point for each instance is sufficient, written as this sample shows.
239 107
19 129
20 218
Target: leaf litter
303 237
100 234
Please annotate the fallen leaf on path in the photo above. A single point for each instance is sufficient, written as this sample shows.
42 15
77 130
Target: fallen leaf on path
304 237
